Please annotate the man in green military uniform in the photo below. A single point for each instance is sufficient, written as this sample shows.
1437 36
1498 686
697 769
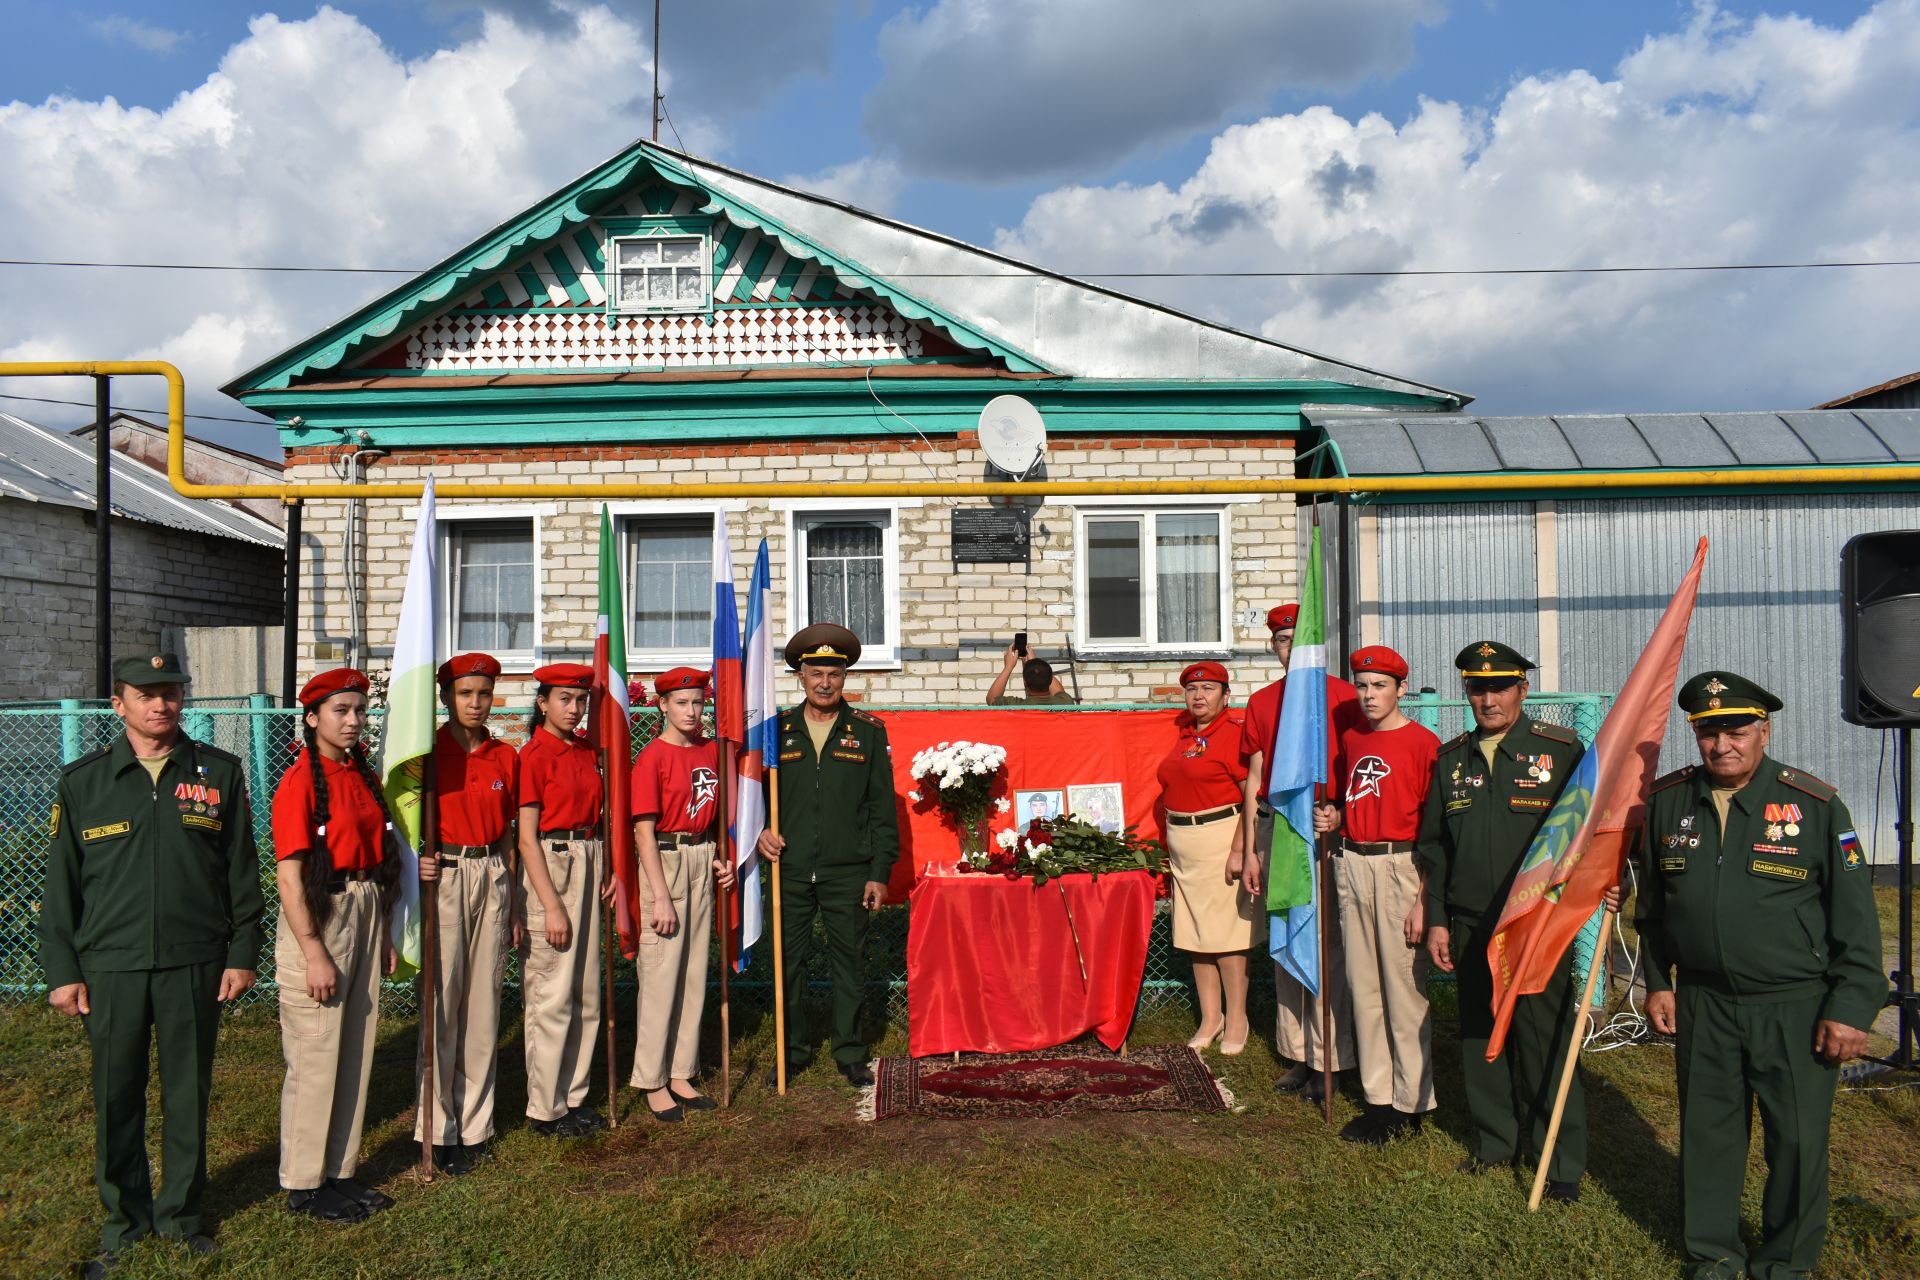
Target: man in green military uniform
150 920
838 838
1754 886
1492 787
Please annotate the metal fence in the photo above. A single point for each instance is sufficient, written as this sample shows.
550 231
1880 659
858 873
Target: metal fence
36 740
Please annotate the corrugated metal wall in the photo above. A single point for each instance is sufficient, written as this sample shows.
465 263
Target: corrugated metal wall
1453 573
1769 609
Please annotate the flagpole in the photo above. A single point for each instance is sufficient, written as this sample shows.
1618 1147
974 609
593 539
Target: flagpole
1325 872
609 932
1573 1058
429 957
779 949
722 909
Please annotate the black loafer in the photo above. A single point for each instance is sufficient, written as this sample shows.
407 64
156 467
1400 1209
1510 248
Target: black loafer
1368 1127
586 1120
366 1197
858 1074
452 1160
1563 1192
325 1204
672 1115
477 1152
100 1266
1294 1080
561 1128
698 1102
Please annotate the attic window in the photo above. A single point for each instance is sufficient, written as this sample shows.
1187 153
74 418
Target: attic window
660 273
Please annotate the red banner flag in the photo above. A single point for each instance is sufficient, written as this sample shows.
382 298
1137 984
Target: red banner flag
613 734
1581 849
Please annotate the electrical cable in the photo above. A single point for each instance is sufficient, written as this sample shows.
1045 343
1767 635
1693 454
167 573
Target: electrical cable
1629 1025
953 472
155 413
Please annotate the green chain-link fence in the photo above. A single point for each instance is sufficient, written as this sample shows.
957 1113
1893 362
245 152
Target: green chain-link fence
35 740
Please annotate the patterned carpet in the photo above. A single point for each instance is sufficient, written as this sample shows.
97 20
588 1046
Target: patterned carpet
1071 1080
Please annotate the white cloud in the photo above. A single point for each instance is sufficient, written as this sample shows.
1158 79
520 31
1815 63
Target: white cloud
1775 140
998 90
141 35
311 144
869 183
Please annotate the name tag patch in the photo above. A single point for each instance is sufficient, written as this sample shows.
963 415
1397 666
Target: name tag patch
856 757
1671 864
1778 870
1530 804
788 756
200 821
106 832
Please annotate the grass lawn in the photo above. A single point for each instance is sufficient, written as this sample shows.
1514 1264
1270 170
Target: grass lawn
782 1187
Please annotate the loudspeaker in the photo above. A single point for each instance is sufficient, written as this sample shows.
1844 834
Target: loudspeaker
1880 629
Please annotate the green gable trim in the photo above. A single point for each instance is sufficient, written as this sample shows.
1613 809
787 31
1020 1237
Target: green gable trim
692 224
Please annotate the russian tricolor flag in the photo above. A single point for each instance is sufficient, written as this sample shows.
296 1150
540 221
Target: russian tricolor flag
759 755
730 727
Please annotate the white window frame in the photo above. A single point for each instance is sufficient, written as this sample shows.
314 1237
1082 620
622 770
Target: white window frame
703 255
799 515
625 514
512 661
1147 513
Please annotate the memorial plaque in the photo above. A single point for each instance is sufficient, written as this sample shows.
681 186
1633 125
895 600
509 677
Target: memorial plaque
991 535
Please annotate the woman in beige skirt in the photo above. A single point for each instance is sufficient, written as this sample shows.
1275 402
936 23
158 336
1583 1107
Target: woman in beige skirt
1214 919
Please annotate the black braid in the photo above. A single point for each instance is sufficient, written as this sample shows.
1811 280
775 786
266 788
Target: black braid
538 720
319 864
388 874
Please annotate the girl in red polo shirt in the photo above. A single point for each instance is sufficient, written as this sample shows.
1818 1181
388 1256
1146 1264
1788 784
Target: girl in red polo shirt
563 866
676 815
1213 917
338 870
477 784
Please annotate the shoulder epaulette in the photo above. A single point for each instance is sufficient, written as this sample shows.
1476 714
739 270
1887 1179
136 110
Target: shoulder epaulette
868 717
1668 780
86 759
1451 743
217 753
1808 783
1558 733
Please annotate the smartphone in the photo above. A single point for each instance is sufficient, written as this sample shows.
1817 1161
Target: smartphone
1020 643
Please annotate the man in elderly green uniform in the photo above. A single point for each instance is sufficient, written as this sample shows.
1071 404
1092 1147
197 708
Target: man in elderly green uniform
837 841
149 921
1492 787
1754 887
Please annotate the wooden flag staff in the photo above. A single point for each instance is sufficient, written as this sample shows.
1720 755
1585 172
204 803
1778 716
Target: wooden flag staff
1573 1058
779 951
1321 928
429 961
723 921
609 937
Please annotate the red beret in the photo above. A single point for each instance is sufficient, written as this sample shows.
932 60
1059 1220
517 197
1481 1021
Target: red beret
565 675
680 678
468 664
1377 657
1283 617
1204 671
328 683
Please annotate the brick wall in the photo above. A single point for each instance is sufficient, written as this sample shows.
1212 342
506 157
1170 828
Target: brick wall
955 621
161 577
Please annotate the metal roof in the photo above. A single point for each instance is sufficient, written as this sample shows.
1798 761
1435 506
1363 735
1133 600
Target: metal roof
1452 444
43 464
1879 388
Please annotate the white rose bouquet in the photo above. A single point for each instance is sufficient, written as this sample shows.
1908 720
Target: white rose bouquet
961 777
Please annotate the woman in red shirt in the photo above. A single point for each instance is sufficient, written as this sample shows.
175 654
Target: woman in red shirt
676 807
563 866
338 867
1213 918
477 786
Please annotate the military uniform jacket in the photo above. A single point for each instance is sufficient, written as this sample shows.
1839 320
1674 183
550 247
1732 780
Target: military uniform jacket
837 812
1778 907
150 875
1479 821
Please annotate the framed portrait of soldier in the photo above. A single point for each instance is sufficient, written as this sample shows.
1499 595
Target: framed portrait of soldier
1098 804
1034 806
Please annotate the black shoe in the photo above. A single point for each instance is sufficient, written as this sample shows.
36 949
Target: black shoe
698 1102
794 1069
672 1115
477 1153
1369 1126
1314 1093
452 1160
858 1074
586 1120
366 1197
1474 1165
326 1204
1564 1192
1294 1080
199 1244
100 1266
561 1128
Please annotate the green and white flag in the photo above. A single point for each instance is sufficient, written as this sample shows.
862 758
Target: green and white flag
406 744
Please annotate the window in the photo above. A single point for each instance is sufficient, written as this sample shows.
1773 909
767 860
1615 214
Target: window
847 571
1153 579
489 586
660 273
669 587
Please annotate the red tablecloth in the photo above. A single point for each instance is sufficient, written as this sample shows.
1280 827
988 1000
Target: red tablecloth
991 965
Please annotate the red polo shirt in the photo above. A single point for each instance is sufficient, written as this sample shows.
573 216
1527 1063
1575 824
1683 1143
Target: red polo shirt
355 826
1263 720
560 777
1206 766
1383 780
479 790
679 787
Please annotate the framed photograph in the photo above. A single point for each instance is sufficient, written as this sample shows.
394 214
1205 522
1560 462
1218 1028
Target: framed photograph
1029 805
1098 804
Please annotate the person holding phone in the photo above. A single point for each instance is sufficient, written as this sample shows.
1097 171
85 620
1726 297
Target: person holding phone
1036 678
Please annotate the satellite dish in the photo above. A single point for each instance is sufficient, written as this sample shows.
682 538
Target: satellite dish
1013 434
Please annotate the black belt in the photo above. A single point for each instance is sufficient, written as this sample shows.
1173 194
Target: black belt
1373 848
339 880
679 839
498 847
1195 819
571 833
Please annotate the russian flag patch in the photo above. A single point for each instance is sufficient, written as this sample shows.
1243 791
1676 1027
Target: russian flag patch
1851 856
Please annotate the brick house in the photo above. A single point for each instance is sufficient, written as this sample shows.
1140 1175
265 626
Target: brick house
664 318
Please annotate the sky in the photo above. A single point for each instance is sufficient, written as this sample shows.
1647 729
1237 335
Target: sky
1225 139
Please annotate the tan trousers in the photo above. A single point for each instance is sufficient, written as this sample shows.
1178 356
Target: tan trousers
328 1047
1387 979
472 959
561 988
1296 1030
673 971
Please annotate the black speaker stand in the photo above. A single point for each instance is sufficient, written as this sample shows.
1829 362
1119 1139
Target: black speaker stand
1903 997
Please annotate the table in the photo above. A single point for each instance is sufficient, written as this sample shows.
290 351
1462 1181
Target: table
992 967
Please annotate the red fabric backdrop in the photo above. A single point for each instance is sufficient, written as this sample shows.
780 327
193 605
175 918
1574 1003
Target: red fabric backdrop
1046 750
